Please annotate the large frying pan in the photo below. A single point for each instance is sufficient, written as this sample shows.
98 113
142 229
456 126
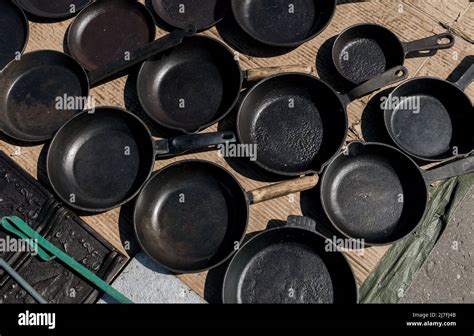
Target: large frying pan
14 31
203 14
283 23
290 264
107 29
53 9
191 216
431 119
298 122
30 88
377 193
99 161
364 51
195 84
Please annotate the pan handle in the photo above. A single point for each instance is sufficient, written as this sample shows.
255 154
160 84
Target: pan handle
466 79
429 43
194 142
456 168
254 75
114 68
389 77
282 189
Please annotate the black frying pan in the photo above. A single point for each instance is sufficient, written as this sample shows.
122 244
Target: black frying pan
283 23
52 9
203 14
298 122
377 193
290 264
431 119
195 84
14 31
364 51
191 216
30 88
107 29
99 161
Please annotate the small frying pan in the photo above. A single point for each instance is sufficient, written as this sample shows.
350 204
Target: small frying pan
364 51
52 9
288 265
99 161
203 14
431 119
191 216
30 88
195 84
283 23
14 31
377 193
107 29
298 122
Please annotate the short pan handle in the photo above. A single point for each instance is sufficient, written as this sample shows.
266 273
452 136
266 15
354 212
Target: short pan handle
456 168
282 189
466 79
429 43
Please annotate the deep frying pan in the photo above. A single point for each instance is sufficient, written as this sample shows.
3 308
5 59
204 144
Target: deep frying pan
283 23
298 122
364 51
107 29
289 264
377 193
99 161
203 14
195 84
439 125
31 86
191 216
52 9
14 31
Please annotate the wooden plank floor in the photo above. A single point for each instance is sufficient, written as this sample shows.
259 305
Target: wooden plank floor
408 19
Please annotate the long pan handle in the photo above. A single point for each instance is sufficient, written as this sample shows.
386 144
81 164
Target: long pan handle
429 43
282 189
137 56
452 169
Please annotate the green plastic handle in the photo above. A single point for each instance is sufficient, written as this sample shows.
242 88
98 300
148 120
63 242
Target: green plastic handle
18 227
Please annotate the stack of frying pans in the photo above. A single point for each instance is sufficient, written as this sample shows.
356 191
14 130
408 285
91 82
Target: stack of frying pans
192 216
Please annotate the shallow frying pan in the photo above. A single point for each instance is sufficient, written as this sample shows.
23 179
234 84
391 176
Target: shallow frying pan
431 119
32 87
283 23
52 9
195 84
14 31
107 29
290 264
191 216
364 51
377 193
203 14
99 161
298 122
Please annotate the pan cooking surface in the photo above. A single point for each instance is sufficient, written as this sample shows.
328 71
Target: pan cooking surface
13 32
105 31
427 132
287 272
49 8
279 21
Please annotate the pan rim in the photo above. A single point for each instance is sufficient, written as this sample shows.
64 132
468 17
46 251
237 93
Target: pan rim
54 140
349 29
283 228
26 25
172 165
45 15
422 178
387 115
283 45
338 95
215 121
83 12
